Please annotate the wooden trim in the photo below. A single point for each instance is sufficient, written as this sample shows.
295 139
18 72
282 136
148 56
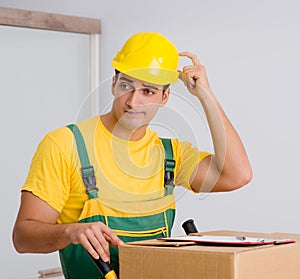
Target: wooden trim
41 20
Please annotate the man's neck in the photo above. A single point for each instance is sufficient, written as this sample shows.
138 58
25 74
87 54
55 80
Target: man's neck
111 123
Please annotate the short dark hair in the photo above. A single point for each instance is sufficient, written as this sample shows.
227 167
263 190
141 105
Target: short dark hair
165 87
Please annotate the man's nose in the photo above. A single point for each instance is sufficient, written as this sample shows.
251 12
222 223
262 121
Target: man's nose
133 99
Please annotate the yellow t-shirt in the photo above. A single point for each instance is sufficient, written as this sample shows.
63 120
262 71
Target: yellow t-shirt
125 170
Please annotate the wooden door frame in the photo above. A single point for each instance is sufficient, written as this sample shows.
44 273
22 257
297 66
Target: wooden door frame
58 22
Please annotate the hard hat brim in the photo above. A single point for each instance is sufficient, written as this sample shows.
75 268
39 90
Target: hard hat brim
153 75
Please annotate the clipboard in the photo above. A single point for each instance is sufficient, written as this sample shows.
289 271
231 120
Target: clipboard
228 240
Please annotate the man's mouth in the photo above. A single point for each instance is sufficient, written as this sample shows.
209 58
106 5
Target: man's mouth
133 112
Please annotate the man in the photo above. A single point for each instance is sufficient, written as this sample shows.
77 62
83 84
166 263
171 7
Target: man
132 200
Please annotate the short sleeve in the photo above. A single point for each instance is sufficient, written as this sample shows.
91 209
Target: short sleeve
49 173
187 158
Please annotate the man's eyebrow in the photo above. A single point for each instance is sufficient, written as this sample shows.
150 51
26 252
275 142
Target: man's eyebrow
150 86
145 85
126 79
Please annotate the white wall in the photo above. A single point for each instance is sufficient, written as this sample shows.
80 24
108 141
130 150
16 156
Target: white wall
251 52
44 80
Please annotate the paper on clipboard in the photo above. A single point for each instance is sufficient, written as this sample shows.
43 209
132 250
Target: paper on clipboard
228 240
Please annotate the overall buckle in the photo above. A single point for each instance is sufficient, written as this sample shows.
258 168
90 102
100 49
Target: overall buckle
89 179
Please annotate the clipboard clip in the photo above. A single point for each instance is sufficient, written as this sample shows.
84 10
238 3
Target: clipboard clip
240 237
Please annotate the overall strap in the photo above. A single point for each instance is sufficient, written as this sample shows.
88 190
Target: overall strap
169 165
87 170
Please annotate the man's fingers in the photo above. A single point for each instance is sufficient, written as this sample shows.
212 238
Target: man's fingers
194 75
101 241
101 246
191 73
189 78
180 75
93 248
114 240
95 244
111 237
183 78
193 57
95 238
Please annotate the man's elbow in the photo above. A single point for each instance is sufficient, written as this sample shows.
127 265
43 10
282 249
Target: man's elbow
241 179
18 242
18 246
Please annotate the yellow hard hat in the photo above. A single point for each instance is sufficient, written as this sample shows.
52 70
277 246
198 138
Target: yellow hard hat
149 57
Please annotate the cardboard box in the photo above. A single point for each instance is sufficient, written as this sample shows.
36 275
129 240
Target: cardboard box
148 260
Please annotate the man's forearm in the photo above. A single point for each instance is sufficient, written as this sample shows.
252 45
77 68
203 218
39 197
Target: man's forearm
230 155
38 237
229 168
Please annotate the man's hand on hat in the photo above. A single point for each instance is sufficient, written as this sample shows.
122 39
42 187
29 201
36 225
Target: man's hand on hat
194 76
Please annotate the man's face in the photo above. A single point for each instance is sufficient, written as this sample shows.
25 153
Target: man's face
136 102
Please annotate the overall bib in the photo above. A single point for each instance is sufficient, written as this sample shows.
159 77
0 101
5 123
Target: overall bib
131 221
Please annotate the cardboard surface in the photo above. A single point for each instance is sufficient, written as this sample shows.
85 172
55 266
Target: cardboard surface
151 261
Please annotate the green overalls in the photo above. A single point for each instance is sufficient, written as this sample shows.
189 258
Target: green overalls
131 221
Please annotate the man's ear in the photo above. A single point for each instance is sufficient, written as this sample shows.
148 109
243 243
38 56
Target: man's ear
165 97
113 84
